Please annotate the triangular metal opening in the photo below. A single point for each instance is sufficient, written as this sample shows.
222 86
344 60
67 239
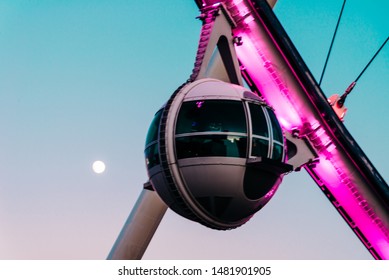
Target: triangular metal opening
221 63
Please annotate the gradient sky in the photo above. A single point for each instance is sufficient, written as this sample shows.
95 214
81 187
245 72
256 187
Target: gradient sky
81 80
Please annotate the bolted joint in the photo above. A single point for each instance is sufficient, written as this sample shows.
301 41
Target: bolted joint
295 133
237 40
201 17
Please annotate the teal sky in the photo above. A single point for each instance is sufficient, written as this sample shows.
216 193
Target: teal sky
81 80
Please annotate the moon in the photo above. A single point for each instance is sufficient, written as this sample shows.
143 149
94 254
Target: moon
98 166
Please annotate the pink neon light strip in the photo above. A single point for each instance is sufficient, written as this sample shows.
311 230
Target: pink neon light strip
277 81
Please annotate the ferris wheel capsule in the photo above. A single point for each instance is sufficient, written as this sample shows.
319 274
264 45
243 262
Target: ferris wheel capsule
215 153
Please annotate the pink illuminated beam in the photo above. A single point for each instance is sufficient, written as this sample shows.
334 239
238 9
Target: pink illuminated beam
273 68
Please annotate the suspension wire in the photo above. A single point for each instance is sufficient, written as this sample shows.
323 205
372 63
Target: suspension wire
332 43
371 60
352 85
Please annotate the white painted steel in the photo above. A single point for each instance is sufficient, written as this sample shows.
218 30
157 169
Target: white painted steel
139 228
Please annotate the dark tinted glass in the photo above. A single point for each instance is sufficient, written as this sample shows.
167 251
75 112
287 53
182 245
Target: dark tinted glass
277 132
152 155
152 134
211 145
260 147
277 152
258 120
211 115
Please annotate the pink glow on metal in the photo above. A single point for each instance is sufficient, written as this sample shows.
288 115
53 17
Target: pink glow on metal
285 123
248 19
351 200
334 176
279 84
267 80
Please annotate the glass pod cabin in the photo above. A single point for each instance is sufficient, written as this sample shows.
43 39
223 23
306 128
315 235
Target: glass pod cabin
215 153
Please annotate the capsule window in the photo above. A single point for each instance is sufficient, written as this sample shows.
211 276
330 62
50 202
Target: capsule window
151 151
211 116
211 146
260 147
152 134
211 128
278 151
260 131
278 139
152 155
277 131
258 120
267 138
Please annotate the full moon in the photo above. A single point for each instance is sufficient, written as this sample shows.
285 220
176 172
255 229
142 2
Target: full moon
98 166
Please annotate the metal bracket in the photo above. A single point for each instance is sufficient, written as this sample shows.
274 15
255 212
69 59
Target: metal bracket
299 151
340 110
148 186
